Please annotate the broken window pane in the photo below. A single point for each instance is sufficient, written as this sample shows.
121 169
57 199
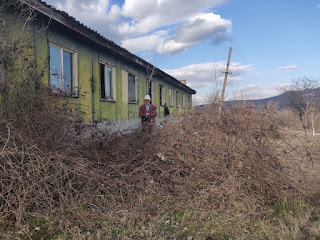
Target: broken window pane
55 67
67 72
132 88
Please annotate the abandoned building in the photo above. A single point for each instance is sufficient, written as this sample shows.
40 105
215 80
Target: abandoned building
106 81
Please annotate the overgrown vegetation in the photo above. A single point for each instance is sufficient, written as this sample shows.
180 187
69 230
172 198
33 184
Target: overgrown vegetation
199 177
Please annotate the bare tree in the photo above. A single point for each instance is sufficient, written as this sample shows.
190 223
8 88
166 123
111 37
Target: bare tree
302 99
241 95
152 70
213 98
315 113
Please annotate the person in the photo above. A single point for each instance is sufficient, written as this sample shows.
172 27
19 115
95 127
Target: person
166 110
148 113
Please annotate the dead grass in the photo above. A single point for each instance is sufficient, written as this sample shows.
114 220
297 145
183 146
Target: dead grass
201 176
204 177
300 156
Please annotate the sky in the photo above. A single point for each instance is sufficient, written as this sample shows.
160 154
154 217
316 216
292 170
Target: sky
273 41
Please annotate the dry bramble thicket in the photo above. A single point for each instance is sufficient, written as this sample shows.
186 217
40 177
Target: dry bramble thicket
49 171
199 177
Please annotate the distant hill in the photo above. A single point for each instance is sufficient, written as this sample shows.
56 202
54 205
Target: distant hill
279 101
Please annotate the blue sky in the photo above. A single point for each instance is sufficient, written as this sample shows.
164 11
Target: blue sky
274 41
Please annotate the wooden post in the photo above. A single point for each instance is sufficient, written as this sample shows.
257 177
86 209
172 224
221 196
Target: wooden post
225 83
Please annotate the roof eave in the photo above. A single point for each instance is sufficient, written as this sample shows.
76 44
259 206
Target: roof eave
71 23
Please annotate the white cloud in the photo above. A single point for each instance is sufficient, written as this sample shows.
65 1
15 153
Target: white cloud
287 68
318 5
202 75
165 26
99 15
153 14
196 29
145 43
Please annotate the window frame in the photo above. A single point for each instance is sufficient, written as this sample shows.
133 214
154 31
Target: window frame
74 68
171 97
189 101
183 100
177 98
162 94
113 82
136 88
147 84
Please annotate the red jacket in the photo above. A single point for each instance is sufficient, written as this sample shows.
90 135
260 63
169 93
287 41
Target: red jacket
152 114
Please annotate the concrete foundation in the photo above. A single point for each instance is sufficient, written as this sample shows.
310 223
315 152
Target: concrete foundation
123 126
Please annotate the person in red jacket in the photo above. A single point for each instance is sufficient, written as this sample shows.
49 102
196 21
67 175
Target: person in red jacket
148 113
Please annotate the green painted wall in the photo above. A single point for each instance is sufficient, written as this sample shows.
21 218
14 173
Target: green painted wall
88 62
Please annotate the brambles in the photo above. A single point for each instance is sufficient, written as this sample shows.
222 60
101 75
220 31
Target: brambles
218 163
200 176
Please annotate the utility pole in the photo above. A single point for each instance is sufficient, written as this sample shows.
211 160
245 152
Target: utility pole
225 83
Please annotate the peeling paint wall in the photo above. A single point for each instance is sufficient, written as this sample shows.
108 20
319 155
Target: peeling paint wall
88 62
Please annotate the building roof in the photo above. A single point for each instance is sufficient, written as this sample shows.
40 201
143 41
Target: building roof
71 23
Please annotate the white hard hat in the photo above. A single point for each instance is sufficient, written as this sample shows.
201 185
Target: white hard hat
147 97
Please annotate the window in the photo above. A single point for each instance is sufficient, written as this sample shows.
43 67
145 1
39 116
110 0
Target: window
183 101
178 99
162 95
63 72
170 97
148 87
107 82
189 102
132 87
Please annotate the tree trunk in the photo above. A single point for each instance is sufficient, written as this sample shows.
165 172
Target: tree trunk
312 122
306 120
